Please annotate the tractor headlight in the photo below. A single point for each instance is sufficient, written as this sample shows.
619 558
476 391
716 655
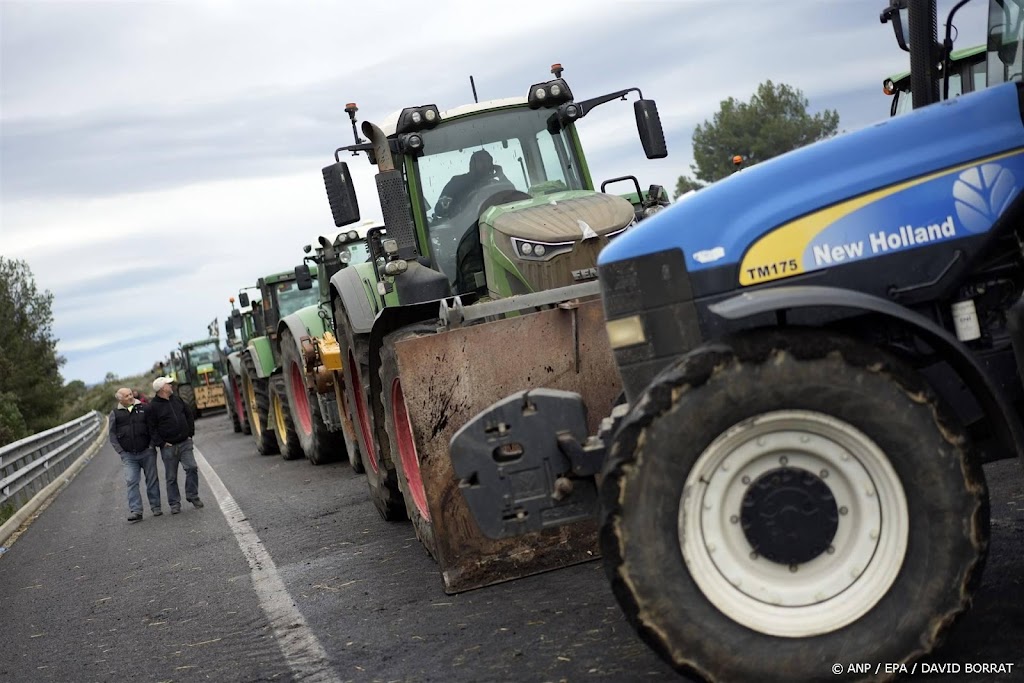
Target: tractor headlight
625 332
345 255
532 250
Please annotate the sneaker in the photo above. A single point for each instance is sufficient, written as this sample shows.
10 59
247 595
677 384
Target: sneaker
198 503
135 517
175 509
157 512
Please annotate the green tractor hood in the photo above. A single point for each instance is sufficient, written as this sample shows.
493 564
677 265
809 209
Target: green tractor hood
550 241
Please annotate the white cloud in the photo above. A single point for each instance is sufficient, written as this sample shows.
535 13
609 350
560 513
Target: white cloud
156 163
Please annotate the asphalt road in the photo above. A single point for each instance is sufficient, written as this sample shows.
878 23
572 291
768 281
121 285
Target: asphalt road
298 578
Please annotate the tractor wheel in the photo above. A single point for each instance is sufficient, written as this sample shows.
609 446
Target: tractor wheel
187 393
257 405
318 443
281 417
240 404
786 497
229 403
348 434
381 476
401 440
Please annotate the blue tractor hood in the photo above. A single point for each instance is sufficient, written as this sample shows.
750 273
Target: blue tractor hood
940 172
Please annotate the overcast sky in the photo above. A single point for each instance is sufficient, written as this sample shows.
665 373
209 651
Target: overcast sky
157 156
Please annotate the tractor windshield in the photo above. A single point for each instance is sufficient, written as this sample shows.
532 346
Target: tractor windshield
290 298
1005 41
468 161
205 354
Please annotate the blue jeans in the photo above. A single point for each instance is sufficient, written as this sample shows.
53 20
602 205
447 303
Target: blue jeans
173 455
133 465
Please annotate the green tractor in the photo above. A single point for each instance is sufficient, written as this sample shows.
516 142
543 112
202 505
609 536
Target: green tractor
263 386
311 356
239 328
200 366
488 207
967 74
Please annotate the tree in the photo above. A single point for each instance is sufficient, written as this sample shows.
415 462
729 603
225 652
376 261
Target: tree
30 381
773 122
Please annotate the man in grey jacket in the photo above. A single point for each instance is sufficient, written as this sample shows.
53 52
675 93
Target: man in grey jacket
130 438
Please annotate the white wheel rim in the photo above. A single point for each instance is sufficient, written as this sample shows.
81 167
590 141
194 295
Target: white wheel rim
825 593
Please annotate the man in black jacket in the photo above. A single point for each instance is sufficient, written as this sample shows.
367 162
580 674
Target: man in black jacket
130 437
172 428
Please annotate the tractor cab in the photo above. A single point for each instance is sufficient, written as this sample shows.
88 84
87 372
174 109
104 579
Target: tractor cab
281 295
494 197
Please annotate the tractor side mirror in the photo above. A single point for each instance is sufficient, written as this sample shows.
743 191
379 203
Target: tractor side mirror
243 299
236 320
896 12
648 124
341 194
229 329
303 278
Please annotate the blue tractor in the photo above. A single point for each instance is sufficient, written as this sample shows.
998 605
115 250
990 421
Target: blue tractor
818 355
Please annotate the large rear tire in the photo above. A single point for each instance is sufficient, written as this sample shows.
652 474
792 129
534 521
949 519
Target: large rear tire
319 444
401 440
381 476
188 394
786 498
229 402
284 427
348 433
257 404
240 404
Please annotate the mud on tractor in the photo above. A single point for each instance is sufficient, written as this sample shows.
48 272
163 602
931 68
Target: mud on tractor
263 388
197 367
817 357
490 213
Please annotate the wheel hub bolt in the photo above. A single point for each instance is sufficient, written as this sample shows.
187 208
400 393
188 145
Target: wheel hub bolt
843 510
734 519
792 568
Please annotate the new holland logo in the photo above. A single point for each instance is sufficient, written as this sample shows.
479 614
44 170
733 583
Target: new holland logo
982 194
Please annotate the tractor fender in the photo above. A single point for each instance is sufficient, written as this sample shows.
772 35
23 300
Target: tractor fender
348 286
990 397
262 356
305 322
235 363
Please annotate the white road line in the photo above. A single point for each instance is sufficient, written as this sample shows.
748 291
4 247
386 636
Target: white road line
300 648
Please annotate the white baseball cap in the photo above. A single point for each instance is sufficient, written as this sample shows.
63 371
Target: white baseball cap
159 383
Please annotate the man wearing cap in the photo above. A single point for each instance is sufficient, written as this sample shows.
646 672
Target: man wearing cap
172 428
131 439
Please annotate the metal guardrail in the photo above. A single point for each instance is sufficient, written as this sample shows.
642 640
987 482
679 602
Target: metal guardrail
29 465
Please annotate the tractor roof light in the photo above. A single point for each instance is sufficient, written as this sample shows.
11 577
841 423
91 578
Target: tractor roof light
413 119
888 87
549 94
